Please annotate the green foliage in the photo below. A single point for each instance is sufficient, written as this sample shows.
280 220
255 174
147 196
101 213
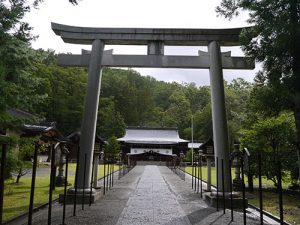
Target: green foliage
17 85
65 88
272 137
110 122
26 149
10 165
112 149
17 195
273 40
22 168
203 129
132 95
188 156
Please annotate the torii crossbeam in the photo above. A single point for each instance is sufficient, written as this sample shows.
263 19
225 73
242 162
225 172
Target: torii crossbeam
155 39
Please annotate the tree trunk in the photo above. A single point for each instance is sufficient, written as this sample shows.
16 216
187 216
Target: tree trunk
49 154
19 176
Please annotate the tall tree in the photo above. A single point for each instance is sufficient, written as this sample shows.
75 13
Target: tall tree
112 149
110 122
18 87
272 138
273 40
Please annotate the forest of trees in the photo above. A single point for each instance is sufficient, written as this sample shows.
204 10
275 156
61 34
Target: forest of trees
129 99
261 115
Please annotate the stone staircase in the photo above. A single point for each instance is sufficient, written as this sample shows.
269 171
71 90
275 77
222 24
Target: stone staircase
156 163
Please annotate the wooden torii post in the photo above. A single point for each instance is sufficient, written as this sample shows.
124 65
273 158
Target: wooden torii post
155 39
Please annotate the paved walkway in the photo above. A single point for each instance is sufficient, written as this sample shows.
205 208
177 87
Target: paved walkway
147 195
152 202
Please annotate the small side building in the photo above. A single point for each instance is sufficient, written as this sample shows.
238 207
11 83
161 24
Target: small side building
152 144
195 146
73 148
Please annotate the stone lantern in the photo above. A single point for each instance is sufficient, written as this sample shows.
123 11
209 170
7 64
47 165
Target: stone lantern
97 152
181 158
236 156
207 150
121 158
60 152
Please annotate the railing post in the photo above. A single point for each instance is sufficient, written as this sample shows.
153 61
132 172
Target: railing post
231 200
260 191
83 185
76 182
104 177
110 176
195 177
223 186
198 184
52 182
113 170
280 193
31 204
3 165
107 177
217 171
244 197
192 176
92 178
201 191
65 189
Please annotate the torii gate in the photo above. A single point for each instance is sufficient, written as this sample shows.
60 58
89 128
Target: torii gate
155 39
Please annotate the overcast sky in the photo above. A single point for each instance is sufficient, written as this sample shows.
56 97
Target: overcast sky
137 14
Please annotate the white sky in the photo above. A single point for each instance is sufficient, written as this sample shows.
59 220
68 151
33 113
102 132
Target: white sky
141 14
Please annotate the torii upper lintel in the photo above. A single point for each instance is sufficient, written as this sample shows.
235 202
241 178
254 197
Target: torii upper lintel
142 36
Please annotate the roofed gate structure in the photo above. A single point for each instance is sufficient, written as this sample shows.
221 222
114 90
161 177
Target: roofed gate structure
155 39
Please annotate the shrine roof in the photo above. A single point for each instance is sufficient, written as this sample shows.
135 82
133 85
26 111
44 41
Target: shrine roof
145 135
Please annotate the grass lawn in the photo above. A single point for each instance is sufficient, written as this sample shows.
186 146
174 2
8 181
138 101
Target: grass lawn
291 201
16 196
204 174
291 204
213 177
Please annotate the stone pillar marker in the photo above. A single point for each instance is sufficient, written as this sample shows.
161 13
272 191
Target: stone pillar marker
96 164
219 113
208 162
88 127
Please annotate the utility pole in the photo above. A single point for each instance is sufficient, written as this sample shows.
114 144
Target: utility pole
192 126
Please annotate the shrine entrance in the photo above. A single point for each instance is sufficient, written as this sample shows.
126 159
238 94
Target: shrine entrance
155 40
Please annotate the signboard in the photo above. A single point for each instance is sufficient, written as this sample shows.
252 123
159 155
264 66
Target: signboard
97 147
210 150
162 151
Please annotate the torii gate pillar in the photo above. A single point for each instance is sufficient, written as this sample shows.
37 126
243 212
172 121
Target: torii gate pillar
89 121
220 133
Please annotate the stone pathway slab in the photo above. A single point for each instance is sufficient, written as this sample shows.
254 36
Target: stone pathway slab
152 202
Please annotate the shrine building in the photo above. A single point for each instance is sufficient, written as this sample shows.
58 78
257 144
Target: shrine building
152 144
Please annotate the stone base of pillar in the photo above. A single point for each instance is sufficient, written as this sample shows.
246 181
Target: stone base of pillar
237 202
60 181
207 190
237 184
80 197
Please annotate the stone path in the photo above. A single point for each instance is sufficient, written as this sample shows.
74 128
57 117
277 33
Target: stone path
152 202
147 195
